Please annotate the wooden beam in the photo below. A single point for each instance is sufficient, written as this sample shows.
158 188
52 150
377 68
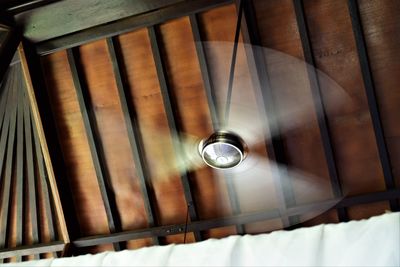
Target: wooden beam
19 6
11 118
19 160
96 149
7 50
261 83
134 136
32 250
372 101
244 218
319 104
173 122
212 106
43 183
66 17
127 25
30 171
43 142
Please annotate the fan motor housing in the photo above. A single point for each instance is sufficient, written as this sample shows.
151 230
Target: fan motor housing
223 150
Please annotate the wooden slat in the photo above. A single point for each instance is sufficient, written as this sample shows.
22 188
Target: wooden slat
44 183
261 83
372 101
49 167
31 250
172 116
127 25
205 73
18 6
66 17
19 161
11 121
135 139
212 105
96 150
30 171
244 218
318 102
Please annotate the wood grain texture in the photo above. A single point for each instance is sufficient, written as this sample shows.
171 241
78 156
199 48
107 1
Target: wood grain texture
184 75
64 17
303 145
113 134
74 144
38 125
381 29
351 127
146 98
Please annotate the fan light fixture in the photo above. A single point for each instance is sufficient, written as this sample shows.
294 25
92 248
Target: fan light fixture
223 150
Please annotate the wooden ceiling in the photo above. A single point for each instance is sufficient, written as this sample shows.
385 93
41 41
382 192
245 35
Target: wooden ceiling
112 90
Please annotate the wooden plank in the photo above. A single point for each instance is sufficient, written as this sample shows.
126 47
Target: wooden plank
66 17
173 123
11 119
43 182
3 142
205 73
32 250
126 25
318 102
96 149
30 171
212 105
372 101
244 218
18 6
261 83
49 167
19 179
135 139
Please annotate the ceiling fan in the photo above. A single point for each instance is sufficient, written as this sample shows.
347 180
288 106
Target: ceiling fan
244 125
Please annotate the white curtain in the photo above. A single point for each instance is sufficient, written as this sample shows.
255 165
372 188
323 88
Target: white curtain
372 242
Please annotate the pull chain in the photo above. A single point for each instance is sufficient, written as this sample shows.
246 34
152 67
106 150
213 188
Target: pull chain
233 63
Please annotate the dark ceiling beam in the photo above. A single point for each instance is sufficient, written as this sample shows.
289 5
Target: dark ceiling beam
261 83
212 106
32 250
174 122
19 162
43 183
134 135
66 17
318 103
10 123
205 73
371 97
245 218
96 149
18 6
48 150
32 196
127 25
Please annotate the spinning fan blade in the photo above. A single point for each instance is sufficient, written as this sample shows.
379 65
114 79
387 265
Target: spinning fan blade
171 155
251 114
261 184
250 108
